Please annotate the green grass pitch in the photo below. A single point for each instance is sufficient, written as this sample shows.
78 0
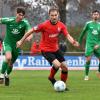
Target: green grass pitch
34 85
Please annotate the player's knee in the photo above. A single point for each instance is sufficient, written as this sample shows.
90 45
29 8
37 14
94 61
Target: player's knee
8 57
64 68
57 65
8 60
55 68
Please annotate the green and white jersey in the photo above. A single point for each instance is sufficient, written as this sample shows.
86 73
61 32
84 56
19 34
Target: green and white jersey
14 30
93 33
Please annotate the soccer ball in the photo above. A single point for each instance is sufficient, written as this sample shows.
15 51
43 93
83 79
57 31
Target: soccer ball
59 86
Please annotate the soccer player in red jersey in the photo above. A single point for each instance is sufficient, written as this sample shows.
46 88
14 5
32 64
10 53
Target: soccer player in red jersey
50 29
35 48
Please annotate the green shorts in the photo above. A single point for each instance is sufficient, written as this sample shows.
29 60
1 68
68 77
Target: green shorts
14 51
89 50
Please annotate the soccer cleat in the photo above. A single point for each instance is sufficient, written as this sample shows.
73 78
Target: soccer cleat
86 78
52 80
1 80
66 89
6 81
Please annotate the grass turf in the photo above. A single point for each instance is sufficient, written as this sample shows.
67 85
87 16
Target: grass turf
33 85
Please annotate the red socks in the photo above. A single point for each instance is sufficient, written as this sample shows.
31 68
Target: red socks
53 71
64 76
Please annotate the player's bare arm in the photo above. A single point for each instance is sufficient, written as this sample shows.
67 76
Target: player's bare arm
20 42
72 41
28 39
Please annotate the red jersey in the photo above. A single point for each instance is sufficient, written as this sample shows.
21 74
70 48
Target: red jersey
35 48
50 32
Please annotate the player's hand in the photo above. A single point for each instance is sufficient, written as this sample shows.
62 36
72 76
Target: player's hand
76 44
19 44
96 46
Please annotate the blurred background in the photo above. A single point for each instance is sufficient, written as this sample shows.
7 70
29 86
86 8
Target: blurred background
73 13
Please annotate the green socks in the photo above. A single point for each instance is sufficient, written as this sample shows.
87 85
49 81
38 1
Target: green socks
4 67
9 69
87 65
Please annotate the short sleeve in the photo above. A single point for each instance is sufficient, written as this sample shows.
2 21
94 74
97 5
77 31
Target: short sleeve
64 30
28 27
5 20
39 27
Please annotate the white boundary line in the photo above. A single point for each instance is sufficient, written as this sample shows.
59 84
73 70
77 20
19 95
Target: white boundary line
48 68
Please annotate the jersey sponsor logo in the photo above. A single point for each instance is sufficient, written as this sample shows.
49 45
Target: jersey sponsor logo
53 35
59 29
15 31
95 32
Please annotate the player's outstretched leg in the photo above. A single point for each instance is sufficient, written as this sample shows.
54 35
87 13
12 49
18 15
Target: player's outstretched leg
3 70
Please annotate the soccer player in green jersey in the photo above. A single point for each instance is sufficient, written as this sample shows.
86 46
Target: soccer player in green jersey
15 30
92 28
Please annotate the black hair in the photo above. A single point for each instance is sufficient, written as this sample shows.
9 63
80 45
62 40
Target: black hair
94 11
53 9
21 10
